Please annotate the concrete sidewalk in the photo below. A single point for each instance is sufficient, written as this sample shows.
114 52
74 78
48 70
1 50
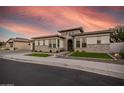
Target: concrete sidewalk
114 70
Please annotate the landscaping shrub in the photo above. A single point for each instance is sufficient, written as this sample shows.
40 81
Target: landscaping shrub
77 51
6 48
121 54
62 50
50 51
40 51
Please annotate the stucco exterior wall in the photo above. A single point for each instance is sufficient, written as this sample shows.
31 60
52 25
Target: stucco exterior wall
45 47
70 33
91 43
105 48
19 46
22 45
7 46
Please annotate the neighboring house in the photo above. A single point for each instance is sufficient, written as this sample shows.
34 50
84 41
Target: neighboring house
18 44
73 40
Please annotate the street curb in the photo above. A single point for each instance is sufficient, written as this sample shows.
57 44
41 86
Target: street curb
71 66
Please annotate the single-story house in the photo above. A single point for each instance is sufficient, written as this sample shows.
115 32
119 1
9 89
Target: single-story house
51 43
18 44
73 40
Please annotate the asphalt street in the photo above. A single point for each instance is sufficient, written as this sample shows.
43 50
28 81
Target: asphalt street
27 74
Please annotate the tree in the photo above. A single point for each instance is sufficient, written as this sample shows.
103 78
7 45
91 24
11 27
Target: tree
118 34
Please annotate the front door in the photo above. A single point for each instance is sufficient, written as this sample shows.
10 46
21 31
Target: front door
70 45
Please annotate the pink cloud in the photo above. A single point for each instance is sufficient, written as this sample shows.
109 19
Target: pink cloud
23 29
71 16
61 17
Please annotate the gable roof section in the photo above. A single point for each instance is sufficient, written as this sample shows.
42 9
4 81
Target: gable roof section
67 30
49 36
94 32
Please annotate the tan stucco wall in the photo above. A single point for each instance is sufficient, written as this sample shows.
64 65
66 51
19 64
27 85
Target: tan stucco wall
22 45
7 46
91 41
105 48
70 33
45 48
19 46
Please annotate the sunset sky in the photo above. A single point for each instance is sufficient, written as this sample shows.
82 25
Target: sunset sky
38 21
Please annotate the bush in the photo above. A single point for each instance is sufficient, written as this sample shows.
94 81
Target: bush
40 51
121 54
6 48
77 50
50 51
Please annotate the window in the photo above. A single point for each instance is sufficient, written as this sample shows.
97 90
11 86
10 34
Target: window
69 33
36 43
58 43
50 43
84 42
11 44
54 43
98 41
43 42
72 33
77 42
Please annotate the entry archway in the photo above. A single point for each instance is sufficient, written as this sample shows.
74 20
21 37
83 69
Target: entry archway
70 45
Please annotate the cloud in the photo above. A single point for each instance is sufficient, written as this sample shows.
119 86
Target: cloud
70 16
23 29
47 20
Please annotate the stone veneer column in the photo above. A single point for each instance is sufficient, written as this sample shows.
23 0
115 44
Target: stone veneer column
80 42
74 43
52 43
57 43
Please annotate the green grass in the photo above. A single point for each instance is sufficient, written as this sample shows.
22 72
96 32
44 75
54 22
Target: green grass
91 55
38 55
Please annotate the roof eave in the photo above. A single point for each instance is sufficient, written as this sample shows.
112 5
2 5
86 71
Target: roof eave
79 28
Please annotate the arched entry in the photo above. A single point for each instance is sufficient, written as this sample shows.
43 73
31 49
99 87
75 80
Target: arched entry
70 45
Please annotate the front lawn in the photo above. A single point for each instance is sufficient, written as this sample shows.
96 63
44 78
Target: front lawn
38 55
91 55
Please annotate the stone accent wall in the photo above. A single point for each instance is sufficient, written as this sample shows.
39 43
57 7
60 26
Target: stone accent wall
116 47
95 48
47 49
